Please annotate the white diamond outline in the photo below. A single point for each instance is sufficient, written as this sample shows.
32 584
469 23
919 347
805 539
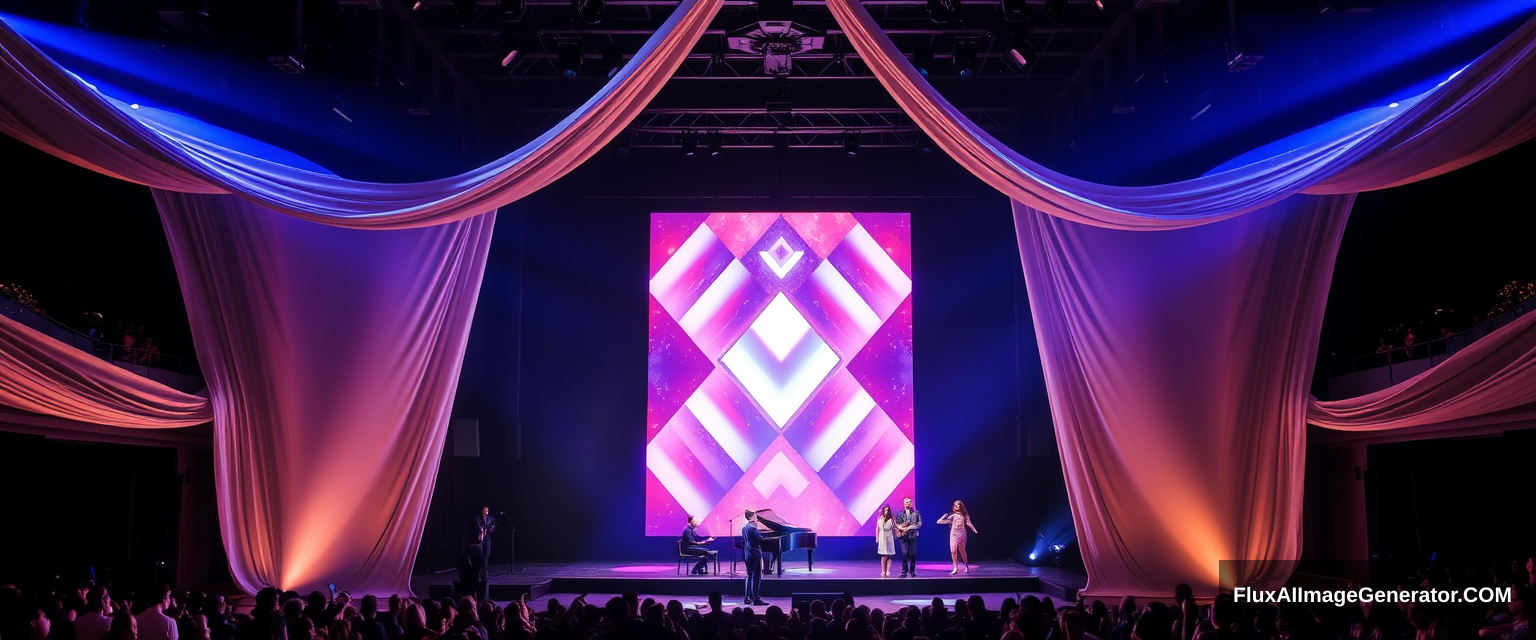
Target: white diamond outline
781 270
748 373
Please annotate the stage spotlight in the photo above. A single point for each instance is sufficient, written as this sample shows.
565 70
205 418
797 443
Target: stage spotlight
965 57
1021 51
942 11
511 47
588 11
922 59
851 143
690 143
509 10
613 60
568 58
715 143
1031 556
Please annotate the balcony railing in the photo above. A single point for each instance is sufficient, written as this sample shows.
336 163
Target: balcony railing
178 373
1377 371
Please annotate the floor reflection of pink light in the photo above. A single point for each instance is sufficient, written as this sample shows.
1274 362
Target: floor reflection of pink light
644 568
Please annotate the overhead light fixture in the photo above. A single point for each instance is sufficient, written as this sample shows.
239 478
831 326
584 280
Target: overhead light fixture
922 59
568 56
965 57
690 143
924 145
777 41
511 47
1021 51
942 11
715 143
851 143
588 11
510 10
613 60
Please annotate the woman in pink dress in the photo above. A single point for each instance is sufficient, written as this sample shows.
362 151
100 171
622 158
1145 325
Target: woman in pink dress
958 520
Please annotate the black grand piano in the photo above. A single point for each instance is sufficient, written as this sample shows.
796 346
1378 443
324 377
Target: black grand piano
779 536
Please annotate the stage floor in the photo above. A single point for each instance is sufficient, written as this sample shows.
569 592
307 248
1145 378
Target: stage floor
859 578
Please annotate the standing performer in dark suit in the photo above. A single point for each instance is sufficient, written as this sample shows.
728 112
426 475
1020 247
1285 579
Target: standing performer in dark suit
752 548
693 546
480 529
907 523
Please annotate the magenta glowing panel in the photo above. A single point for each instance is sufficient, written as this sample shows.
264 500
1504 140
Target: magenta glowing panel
780 369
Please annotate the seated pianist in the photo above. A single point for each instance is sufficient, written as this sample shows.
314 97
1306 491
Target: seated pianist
693 546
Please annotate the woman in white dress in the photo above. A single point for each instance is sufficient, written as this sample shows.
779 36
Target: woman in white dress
958 520
885 540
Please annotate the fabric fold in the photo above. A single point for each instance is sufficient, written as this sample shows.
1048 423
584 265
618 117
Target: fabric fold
51 109
1178 365
45 376
1484 109
332 357
1492 377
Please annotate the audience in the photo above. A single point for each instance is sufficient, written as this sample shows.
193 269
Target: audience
97 613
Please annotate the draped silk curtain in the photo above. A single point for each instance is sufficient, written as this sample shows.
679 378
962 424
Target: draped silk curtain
1491 382
1178 365
1179 404
332 356
1178 362
1484 109
51 109
42 375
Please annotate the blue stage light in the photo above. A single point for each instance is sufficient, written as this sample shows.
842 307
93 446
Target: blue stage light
1031 556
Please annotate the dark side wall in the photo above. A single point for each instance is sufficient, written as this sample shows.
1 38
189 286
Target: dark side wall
559 388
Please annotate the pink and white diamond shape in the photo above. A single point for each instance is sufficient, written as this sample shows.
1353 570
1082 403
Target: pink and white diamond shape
781 423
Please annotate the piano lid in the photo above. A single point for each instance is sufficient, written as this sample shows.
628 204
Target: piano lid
768 521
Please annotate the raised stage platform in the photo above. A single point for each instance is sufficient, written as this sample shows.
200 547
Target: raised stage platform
861 579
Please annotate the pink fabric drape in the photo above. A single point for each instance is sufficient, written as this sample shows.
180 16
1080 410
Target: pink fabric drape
51 109
1484 109
45 376
1493 379
332 356
1178 365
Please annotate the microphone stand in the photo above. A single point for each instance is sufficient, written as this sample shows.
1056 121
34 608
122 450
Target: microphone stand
734 547
512 567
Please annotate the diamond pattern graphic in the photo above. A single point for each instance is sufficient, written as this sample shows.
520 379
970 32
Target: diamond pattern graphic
806 341
780 361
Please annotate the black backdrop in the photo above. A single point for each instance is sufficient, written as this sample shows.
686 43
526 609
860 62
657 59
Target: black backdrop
571 479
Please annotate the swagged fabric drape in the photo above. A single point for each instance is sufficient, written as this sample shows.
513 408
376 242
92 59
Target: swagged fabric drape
42 375
1484 109
329 420
332 357
1490 383
51 109
1177 363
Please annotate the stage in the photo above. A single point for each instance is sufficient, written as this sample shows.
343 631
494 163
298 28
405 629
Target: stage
860 579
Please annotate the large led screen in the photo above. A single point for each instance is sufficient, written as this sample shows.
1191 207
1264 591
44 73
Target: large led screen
780 369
